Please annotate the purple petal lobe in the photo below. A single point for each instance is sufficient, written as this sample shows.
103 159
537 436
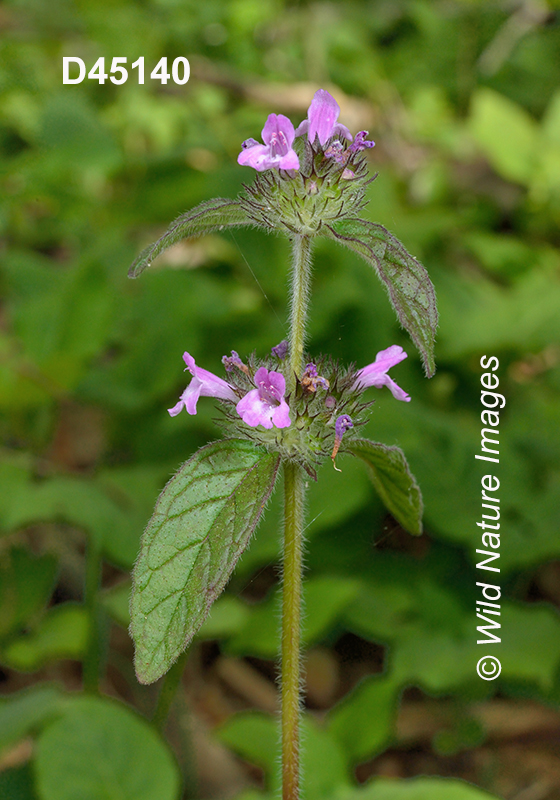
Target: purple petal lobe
276 153
203 383
281 349
375 374
321 120
342 424
323 114
341 130
265 405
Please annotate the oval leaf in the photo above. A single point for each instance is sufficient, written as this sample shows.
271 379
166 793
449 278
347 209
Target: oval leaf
100 750
395 484
407 281
213 215
201 524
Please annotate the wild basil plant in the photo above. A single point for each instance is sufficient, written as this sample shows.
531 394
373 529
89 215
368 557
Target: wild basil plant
285 410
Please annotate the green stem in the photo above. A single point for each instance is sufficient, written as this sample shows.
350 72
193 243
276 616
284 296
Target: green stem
301 269
91 669
168 690
294 494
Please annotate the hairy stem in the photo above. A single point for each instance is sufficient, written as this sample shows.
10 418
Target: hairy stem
301 270
294 494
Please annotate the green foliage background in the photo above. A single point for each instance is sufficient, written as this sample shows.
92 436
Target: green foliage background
462 99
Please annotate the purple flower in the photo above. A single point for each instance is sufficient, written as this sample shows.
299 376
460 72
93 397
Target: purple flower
281 350
311 380
337 152
342 424
376 374
360 143
265 405
230 362
276 153
321 120
204 384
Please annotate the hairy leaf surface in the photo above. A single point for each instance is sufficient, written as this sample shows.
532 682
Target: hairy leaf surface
409 286
395 484
201 524
213 215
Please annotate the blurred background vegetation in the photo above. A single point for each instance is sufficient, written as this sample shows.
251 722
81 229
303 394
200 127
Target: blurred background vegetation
463 100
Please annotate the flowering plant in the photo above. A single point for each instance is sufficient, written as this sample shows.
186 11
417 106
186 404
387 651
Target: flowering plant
288 409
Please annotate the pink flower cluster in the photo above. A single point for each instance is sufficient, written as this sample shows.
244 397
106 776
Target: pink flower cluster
266 404
278 136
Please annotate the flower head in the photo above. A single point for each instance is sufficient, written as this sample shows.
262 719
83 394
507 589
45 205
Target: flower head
321 120
276 153
376 374
265 405
204 384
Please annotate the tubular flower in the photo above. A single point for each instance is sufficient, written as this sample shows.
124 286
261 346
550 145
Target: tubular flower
276 153
204 384
321 120
265 405
376 374
342 424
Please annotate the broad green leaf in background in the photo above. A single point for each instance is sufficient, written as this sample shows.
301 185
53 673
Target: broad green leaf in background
101 750
202 522
409 286
17 783
24 712
213 215
325 599
254 736
363 721
26 583
506 133
62 633
390 474
79 501
437 662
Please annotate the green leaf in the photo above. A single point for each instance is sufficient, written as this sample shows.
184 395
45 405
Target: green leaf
529 651
202 522
390 474
17 783
26 583
227 617
101 750
23 712
513 156
325 600
62 633
79 501
116 601
363 721
254 736
409 286
213 215
416 789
